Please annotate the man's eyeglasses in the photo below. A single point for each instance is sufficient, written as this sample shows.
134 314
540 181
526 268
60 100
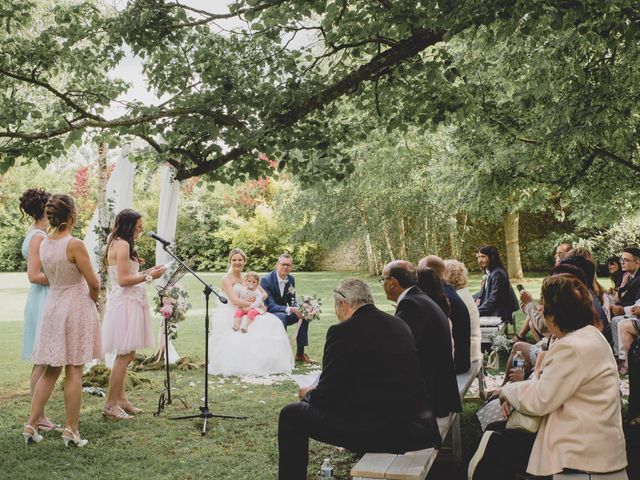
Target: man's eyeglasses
382 279
340 293
288 265
627 260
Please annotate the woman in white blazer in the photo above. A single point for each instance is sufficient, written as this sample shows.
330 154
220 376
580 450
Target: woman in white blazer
576 394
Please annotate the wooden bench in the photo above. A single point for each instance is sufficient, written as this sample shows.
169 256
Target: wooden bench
416 465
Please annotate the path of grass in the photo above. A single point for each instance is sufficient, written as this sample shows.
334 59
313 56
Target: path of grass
155 447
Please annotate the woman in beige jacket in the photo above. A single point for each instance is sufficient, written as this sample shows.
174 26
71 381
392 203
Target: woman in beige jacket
577 396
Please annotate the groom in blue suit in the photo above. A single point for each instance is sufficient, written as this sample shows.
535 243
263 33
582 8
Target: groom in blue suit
280 286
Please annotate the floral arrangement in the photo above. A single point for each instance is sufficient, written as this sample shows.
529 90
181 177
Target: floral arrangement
500 342
173 305
310 307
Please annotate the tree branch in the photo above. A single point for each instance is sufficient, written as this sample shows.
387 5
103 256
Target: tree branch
211 165
616 158
219 118
393 56
211 17
47 86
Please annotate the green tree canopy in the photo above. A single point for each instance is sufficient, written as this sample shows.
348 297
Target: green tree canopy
234 92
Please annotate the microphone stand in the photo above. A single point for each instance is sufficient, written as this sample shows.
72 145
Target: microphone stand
205 414
165 396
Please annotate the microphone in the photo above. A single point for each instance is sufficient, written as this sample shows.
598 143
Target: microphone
222 299
164 242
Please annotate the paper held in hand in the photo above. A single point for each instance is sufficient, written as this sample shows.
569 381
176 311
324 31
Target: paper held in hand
309 380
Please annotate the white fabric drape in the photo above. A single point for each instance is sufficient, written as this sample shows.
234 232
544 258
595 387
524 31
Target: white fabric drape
167 220
168 212
119 195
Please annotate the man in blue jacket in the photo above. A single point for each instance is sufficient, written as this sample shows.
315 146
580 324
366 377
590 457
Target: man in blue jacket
281 301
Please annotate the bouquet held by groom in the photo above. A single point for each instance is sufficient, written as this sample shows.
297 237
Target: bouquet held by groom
281 301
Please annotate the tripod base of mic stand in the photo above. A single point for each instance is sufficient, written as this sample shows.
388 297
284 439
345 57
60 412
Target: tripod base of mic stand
166 399
205 415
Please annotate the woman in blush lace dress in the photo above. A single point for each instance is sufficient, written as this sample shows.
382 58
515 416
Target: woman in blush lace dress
264 350
70 330
127 319
32 203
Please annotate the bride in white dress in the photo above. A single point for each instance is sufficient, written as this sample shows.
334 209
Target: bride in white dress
265 348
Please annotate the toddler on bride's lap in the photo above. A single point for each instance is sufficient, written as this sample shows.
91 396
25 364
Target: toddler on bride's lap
245 316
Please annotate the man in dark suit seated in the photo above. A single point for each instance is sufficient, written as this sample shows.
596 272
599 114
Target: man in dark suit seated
370 396
459 315
281 301
431 331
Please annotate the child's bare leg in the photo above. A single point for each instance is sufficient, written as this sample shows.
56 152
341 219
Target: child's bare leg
236 323
249 322
245 322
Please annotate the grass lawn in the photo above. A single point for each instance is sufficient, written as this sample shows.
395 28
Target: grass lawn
155 447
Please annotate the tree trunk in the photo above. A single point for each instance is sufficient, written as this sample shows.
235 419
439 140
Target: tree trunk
426 236
511 228
371 259
403 239
103 223
372 262
387 240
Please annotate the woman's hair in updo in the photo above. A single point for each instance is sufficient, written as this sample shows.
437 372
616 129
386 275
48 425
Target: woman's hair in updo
33 201
59 210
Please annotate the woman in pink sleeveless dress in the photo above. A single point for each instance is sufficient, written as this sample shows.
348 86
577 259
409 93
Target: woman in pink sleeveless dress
127 320
70 330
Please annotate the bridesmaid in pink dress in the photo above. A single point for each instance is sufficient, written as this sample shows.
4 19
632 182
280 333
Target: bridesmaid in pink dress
70 330
127 319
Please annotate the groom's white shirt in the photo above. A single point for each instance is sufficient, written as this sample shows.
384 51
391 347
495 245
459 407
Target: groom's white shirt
281 285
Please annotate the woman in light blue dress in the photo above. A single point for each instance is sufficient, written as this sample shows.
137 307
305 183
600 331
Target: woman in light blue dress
32 204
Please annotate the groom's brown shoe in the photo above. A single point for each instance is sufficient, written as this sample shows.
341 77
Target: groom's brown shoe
304 358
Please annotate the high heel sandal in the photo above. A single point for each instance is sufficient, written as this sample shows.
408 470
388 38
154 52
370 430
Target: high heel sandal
131 409
31 437
116 413
47 426
74 439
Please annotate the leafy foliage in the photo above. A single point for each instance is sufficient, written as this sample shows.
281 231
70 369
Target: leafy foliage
236 89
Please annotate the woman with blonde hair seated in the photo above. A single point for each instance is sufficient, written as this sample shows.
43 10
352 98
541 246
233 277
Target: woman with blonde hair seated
576 394
457 275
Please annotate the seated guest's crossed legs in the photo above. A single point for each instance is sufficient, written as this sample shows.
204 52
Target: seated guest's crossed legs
300 421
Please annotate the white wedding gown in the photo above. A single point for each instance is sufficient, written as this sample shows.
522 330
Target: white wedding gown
264 350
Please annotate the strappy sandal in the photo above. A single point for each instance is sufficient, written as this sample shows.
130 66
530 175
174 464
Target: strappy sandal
74 439
31 435
47 426
116 413
129 408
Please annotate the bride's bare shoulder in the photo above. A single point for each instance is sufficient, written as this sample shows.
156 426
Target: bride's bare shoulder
228 279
